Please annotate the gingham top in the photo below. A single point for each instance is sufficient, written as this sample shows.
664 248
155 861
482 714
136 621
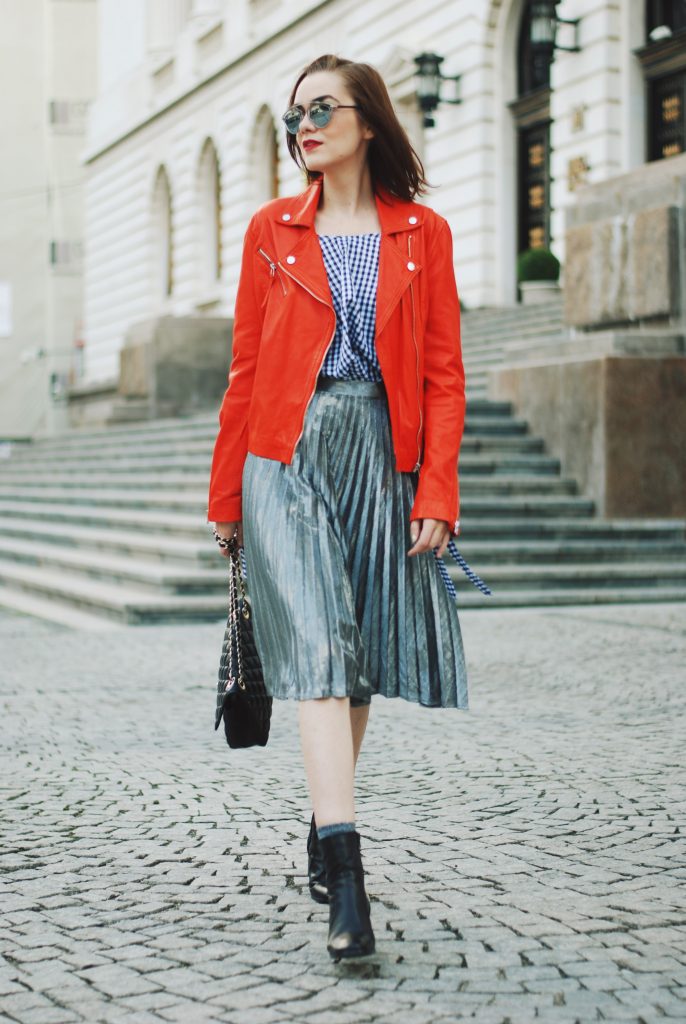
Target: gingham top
352 267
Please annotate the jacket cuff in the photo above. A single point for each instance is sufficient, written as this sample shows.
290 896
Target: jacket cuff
225 510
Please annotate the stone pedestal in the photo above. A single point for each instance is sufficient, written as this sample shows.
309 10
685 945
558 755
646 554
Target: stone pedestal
609 396
617 424
170 366
625 250
176 364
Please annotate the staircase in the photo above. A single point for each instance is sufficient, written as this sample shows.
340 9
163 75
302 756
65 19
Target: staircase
488 333
108 527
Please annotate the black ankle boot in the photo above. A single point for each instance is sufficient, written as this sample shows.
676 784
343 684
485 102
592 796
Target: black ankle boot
350 929
316 868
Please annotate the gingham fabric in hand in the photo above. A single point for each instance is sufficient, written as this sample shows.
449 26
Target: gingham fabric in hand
469 573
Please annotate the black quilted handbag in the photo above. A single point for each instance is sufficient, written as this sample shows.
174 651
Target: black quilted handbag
242 698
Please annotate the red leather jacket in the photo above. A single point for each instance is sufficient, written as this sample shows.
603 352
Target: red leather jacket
284 322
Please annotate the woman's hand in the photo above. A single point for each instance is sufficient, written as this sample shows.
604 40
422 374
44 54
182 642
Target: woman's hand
427 534
227 530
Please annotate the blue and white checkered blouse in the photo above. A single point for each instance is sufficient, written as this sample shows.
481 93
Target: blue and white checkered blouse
352 267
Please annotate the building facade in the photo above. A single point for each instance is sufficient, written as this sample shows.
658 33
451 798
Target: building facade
185 136
47 80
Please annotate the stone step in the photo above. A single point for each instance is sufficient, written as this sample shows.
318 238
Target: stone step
44 606
160 546
202 550
519 316
114 600
129 604
194 468
198 427
668 572
176 524
169 577
156 576
201 453
481 423
472 483
502 335
488 407
503 505
486 358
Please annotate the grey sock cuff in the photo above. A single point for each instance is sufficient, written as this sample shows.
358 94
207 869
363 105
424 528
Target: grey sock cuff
331 830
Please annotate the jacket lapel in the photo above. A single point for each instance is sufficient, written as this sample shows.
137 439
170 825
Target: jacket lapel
296 237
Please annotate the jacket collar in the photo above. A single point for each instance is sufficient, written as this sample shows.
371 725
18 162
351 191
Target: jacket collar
303 251
394 214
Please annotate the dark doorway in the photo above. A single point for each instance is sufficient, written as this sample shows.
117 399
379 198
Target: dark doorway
531 112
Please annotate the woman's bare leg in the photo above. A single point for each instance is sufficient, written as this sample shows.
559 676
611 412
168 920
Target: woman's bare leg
358 723
326 736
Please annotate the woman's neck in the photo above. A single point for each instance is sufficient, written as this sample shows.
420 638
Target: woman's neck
347 205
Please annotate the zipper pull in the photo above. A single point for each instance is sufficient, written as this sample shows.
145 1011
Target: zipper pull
272 265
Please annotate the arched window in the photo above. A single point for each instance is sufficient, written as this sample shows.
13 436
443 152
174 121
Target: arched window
265 157
162 236
210 220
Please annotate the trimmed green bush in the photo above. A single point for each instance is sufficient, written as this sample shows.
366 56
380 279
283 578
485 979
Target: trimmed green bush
537 265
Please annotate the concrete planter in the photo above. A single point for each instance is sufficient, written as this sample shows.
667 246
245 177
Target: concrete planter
538 291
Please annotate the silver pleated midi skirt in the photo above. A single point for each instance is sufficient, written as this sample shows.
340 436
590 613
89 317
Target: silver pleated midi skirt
339 608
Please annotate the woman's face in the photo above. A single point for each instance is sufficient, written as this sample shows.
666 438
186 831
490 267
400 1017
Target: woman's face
344 138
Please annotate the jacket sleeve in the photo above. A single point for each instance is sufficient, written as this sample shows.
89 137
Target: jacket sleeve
437 495
231 445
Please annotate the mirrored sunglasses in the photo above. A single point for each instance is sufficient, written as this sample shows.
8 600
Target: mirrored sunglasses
319 113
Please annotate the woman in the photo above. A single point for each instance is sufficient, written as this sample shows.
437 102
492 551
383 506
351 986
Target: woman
336 458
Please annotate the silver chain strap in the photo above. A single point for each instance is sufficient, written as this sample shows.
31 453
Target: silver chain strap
234 628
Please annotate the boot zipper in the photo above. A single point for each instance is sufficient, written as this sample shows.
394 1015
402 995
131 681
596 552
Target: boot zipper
272 268
416 348
323 357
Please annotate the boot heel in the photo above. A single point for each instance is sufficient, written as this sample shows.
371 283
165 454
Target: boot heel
350 927
316 869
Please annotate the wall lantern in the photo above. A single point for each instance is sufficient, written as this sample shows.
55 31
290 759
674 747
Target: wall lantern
429 80
544 26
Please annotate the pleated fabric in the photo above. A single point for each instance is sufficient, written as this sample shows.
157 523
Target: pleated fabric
339 609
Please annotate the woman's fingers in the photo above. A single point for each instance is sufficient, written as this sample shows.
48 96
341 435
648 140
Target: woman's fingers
431 534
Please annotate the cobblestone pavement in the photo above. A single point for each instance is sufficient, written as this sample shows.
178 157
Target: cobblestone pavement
525 858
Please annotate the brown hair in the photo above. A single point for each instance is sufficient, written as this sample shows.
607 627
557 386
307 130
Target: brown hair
393 163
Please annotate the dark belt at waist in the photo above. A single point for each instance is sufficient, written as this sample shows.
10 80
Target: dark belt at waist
343 386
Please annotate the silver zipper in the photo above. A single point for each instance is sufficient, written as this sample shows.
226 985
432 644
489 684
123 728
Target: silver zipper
302 429
272 268
416 348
